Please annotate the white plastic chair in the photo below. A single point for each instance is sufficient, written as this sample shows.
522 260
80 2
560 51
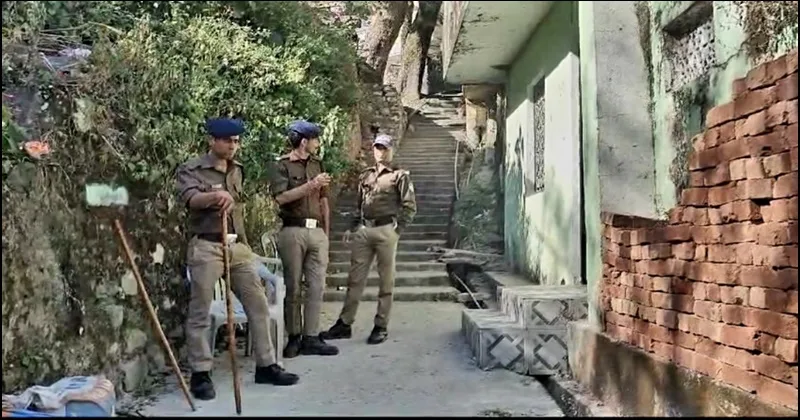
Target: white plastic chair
219 314
218 311
276 297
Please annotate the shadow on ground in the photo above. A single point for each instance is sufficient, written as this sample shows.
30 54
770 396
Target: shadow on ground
424 369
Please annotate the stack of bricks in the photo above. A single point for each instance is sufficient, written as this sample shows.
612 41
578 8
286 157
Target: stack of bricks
714 288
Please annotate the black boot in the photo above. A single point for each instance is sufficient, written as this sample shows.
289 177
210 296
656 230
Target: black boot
201 386
337 331
313 345
275 375
378 335
292 348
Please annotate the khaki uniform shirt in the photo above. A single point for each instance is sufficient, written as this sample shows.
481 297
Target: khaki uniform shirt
386 191
290 172
200 176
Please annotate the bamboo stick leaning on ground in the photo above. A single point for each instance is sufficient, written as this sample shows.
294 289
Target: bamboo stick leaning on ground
103 196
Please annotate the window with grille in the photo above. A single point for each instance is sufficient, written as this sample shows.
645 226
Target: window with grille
534 145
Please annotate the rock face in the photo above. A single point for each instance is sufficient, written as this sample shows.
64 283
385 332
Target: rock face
70 303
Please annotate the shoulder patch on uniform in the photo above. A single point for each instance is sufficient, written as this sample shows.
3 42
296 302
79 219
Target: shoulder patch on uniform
193 163
282 157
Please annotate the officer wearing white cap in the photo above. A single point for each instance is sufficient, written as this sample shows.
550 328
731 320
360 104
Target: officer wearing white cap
386 205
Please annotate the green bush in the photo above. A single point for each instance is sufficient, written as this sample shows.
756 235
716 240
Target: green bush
130 115
159 69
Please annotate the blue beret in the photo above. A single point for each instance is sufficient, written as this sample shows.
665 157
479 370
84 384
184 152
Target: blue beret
224 127
305 128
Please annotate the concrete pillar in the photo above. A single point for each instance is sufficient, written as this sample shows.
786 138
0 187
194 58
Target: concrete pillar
618 160
479 100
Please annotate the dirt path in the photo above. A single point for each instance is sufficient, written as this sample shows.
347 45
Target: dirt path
424 369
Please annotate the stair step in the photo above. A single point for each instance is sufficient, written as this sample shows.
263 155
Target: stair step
349 199
400 267
436 171
423 157
443 166
343 255
422 209
440 219
544 306
414 166
405 236
412 228
400 294
404 245
343 220
497 342
401 279
425 147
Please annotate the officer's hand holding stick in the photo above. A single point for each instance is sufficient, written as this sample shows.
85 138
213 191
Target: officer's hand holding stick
237 392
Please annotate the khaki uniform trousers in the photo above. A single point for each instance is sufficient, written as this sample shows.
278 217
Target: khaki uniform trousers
367 244
304 254
205 266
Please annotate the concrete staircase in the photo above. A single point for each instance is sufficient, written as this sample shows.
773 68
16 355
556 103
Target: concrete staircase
428 152
528 333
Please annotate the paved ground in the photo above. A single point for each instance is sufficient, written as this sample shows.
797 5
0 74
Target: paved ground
424 369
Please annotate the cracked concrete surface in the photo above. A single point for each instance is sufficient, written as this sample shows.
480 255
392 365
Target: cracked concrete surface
424 369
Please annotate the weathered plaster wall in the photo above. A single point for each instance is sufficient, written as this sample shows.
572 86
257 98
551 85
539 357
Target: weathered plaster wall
615 174
540 235
745 34
617 129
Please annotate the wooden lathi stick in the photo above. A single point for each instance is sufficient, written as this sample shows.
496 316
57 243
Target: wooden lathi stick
150 310
237 391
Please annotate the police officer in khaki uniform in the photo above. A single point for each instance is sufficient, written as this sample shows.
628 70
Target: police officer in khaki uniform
210 187
300 186
386 206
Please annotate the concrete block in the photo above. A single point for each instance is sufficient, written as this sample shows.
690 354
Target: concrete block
495 341
546 352
544 307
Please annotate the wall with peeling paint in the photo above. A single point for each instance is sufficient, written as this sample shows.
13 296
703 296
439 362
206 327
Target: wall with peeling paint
745 34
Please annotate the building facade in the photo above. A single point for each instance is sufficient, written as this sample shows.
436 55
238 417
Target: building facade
604 104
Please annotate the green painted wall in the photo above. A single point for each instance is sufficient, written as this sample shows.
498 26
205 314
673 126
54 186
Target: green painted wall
591 170
746 34
555 37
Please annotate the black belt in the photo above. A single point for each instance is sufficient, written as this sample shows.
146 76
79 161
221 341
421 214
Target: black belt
379 221
296 222
211 237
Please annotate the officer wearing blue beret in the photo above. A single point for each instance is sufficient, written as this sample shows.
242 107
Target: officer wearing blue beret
300 187
210 187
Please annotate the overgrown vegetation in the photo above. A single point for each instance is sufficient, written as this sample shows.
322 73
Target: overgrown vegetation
475 213
769 26
129 112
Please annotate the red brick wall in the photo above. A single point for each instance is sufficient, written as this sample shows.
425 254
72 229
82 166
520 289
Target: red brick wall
714 289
